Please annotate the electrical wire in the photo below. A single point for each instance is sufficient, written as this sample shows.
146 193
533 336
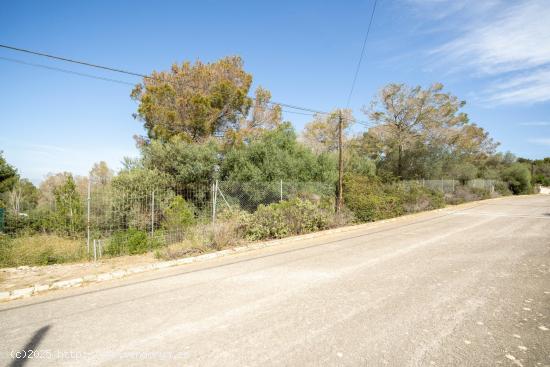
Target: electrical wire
362 55
85 63
122 71
65 71
292 107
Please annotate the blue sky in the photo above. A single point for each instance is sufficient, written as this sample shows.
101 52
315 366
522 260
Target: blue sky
494 54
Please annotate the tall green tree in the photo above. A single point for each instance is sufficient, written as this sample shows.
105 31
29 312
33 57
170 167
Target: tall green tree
276 155
69 209
194 101
8 175
412 123
187 164
252 171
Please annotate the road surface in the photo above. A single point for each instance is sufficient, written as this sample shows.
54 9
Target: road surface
467 286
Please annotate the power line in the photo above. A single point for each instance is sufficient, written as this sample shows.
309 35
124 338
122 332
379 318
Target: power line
298 113
122 71
65 71
71 72
361 56
306 111
85 63
299 108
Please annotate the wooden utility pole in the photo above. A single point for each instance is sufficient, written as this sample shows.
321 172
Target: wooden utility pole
339 198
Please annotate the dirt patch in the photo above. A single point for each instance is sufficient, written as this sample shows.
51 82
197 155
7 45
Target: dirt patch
27 276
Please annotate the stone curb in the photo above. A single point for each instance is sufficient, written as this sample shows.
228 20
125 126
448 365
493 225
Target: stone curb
117 274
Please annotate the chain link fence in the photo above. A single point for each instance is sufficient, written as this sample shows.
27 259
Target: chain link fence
119 222
449 186
112 221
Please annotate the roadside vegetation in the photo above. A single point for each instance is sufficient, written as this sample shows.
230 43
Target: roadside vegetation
215 132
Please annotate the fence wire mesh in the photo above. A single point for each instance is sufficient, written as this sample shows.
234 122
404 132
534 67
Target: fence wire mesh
123 222
109 221
448 186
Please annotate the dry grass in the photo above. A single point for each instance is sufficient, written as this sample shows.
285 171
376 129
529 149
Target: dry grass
203 238
227 234
181 249
42 249
194 242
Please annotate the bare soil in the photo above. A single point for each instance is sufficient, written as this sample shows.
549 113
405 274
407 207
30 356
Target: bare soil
28 276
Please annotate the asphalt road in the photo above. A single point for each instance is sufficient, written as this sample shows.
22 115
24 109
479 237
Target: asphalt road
458 287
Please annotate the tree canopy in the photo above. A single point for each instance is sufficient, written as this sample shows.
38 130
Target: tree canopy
194 101
321 134
101 173
8 175
276 155
414 125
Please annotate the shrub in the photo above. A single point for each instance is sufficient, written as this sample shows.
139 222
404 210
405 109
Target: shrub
369 199
345 217
229 229
518 178
286 218
178 216
418 198
464 194
366 198
132 241
16 224
464 172
502 188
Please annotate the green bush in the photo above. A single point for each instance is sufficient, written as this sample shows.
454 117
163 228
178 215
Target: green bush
502 188
541 179
366 198
179 214
518 178
132 242
370 199
286 218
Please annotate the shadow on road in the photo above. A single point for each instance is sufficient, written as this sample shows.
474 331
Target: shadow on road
30 347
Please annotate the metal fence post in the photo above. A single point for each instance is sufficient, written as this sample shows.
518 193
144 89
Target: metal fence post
281 190
214 200
88 215
152 213
95 251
